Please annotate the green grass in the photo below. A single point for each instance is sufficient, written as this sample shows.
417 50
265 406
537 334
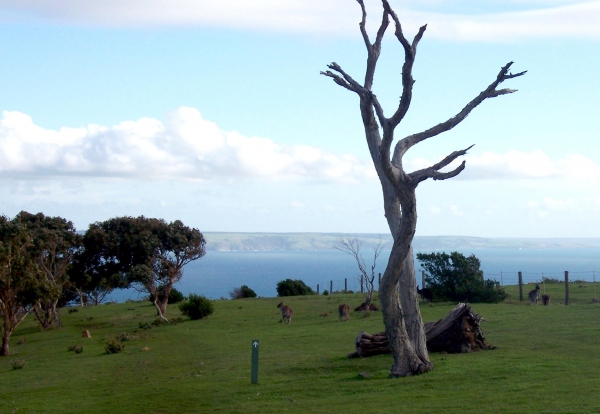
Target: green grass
546 362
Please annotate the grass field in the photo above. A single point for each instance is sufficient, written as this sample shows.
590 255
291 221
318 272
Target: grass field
547 361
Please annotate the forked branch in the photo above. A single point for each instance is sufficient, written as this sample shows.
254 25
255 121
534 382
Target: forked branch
434 171
490 92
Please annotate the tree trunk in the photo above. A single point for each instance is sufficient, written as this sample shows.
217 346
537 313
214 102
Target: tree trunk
5 350
56 314
46 312
407 360
458 332
160 310
407 283
409 300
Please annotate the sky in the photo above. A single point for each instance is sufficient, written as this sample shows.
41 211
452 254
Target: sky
214 112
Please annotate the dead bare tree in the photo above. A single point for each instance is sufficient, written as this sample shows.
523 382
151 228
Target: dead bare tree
351 246
401 314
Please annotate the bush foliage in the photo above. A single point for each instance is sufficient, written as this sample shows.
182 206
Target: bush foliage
113 345
457 278
242 292
196 307
289 287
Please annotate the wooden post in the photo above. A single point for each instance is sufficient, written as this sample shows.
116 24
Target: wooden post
423 279
521 286
330 287
361 285
379 282
501 280
345 284
317 288
566 287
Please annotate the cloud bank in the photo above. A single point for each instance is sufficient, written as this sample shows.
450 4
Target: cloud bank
184 146
187 146
497 22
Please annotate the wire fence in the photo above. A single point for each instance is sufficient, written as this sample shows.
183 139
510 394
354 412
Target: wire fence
560 285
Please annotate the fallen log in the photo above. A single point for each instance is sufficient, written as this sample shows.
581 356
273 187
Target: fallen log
458 332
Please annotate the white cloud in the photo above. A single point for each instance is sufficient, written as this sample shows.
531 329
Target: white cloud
564 207
500 21
185 146
521 165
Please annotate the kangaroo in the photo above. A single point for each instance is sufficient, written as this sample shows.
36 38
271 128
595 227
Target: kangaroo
426 294
534 295
286 313
546 300
344 311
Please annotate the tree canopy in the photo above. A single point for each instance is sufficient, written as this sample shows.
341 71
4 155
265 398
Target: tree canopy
457 278
147 254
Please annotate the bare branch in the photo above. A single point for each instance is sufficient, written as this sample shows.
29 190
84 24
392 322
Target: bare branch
345 80
490 92
410 51
434 170
378 109
453 173
373 50
398 32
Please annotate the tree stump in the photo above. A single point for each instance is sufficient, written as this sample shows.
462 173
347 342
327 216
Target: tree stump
458 332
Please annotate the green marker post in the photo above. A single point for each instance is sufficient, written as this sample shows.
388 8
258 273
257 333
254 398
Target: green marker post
254 371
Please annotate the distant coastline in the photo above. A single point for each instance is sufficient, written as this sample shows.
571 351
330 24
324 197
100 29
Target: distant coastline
230 241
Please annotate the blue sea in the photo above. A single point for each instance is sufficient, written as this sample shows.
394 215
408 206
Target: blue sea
218 272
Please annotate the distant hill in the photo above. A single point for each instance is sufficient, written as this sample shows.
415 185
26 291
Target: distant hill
328 241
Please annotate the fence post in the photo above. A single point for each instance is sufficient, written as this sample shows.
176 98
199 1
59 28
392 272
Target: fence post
361 286
317 288
345 285
330 287
501 280
521 286
379 282
566 287
423 279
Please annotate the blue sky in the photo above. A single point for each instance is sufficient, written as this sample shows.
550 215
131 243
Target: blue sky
214 112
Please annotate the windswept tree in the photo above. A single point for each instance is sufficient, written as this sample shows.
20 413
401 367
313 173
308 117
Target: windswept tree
54 243
147 254
401 315
18 278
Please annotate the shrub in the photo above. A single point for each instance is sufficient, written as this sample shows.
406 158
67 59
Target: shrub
325 292
242 292
196 307
455 277
175 296
78 349
145 325
551 280
113 345
17 363
289 287
123 337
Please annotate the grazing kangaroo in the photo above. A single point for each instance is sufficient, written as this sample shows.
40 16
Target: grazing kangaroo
534 295
546 300
286 313
425 294
344 311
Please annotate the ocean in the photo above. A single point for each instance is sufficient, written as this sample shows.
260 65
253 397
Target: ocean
218 272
